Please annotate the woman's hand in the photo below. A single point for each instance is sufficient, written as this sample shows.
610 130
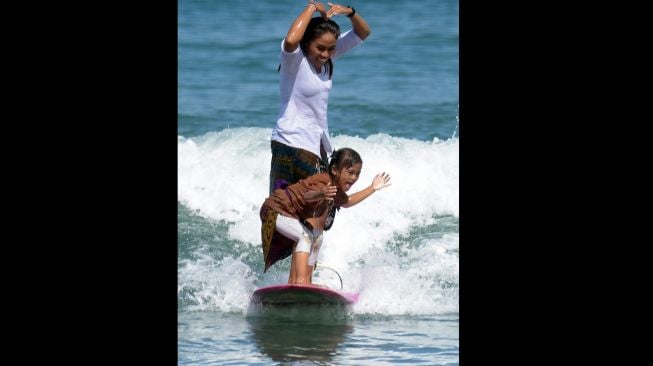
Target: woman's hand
336 9
381 181
319 7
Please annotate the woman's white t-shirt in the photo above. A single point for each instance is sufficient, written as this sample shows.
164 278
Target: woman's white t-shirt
302 120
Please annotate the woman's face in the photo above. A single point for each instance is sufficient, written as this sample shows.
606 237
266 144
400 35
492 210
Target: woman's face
321 48
348 176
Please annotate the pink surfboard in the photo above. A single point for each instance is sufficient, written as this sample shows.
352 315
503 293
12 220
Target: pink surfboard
299 294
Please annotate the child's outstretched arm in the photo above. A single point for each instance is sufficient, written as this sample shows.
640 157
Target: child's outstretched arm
381 180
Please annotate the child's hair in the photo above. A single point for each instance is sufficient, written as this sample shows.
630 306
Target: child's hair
344 158
315 28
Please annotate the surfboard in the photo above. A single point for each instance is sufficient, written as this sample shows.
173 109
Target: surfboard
299 294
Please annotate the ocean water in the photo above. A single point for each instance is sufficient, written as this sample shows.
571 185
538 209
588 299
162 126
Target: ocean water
395 101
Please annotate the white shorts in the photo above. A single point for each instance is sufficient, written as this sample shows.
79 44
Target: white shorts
308 241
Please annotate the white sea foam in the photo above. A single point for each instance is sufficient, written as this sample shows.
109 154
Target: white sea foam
376 246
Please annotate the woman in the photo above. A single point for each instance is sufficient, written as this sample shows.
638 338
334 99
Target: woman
293 217
300 140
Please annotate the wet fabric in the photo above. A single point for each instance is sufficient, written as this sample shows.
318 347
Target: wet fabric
291 164
282 247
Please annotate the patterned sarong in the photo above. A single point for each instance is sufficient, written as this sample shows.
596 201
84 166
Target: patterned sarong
292 164
275 246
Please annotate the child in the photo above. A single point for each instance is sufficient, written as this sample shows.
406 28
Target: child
293 217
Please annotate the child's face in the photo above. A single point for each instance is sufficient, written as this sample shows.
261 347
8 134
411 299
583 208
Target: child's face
348 176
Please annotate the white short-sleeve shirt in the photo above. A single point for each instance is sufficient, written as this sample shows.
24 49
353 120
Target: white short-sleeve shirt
302 119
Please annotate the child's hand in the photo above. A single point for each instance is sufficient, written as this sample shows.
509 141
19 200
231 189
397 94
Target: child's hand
381 181
329 191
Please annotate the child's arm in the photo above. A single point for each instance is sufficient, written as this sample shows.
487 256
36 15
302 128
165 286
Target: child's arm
380 181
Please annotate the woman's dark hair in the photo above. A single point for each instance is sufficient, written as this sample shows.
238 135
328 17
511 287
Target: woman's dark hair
344 158
315 28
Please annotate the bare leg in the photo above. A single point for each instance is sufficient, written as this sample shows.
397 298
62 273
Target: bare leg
303 272
293 273
300 271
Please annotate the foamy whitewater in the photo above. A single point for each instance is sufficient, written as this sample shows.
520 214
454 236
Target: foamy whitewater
398 248
395 100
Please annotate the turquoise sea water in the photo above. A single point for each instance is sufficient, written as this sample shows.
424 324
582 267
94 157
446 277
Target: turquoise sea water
395 101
